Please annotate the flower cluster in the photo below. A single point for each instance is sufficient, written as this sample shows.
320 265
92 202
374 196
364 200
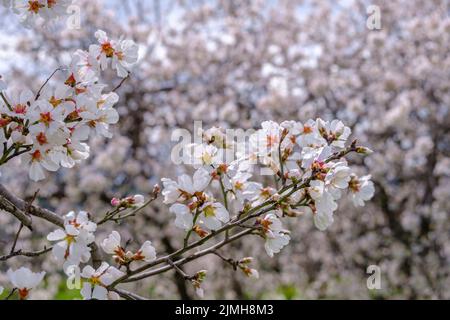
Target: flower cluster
128 202
194 208
112 245
72 242
309 155
30 11
49 129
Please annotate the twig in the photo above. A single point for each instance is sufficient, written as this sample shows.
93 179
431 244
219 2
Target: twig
25 253
13 248
128 295
8 206
45 83
229 260
180 271
33 210
121 82
16 238
10 294
183 261
6 101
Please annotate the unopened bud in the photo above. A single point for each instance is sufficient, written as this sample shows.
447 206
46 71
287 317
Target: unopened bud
246 260
364 150
200 275
156 189
115 202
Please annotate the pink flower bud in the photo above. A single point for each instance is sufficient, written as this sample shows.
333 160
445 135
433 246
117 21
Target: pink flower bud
115 202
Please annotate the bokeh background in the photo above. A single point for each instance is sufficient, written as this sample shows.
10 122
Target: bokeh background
235 64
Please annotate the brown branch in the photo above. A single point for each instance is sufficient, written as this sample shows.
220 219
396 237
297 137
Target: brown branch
183 261
13 248
33 210
45 214
25 253
8 206
45 83
121 82
128 295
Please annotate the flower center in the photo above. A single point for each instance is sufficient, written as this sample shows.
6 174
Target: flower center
55 102
354 185
71 82
209 211
266 225
20 109
265 193
23 293
36 156
95 281
51 3
307 129
119 55
108 49
34 6
46 118
271 140
41 138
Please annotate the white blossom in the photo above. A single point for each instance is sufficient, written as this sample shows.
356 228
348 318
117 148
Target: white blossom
24 280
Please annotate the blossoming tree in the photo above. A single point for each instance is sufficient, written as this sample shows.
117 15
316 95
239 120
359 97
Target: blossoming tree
221 203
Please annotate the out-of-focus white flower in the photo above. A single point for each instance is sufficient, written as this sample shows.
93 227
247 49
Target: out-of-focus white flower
361 189
25 280
276 237
3 85
31 10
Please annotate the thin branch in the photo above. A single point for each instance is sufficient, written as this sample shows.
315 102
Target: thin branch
29 254
16 238
33 210
180 271
8 206
45 83
128 295
10 294
121 82
183 261
6 101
